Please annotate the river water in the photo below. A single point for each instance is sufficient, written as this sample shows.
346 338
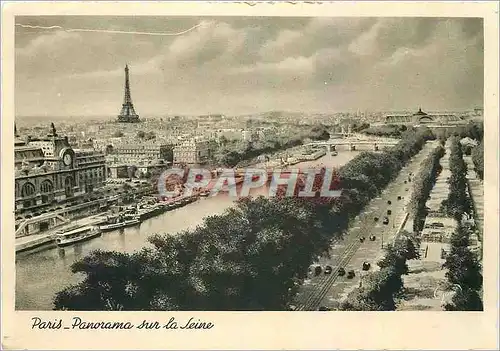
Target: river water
42 273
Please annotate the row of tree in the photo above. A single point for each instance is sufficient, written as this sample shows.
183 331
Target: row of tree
458 201
394 131
464 269
464 273
380 290
478 159
473 130
252 257
423 183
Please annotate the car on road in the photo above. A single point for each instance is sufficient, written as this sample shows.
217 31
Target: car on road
341 272
328 269
386 220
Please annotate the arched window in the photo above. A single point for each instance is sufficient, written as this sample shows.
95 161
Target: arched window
47 190
28 189
46 187
69 183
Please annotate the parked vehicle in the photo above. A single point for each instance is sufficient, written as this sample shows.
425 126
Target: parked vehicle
366 266
328 269
389 212
372 238
341 272
351 274
386 220
389 202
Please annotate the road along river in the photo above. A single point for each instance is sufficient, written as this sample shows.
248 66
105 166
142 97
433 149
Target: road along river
40 274
326 290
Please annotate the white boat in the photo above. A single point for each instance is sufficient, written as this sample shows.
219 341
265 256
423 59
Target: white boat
148 211
120 222
68 237
205 193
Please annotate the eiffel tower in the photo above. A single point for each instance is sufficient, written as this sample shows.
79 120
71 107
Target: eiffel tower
127 114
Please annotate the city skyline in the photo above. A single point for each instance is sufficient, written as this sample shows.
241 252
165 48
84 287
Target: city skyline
311 65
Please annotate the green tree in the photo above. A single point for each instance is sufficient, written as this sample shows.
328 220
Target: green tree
150 135
377 293
141 134
478 159
465 300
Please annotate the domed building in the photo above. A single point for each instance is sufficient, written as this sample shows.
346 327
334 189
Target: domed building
422 118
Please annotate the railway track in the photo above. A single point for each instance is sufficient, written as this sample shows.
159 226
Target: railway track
310 300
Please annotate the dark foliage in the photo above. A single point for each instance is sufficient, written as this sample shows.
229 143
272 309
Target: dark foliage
380 289
478 159
458 201
423 183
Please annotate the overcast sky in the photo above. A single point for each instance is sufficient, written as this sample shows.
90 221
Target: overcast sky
243 65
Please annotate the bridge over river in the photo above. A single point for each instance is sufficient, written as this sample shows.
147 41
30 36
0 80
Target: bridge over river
355 143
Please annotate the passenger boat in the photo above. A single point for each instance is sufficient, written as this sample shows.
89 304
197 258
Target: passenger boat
172 205
120 222
69 237
148 211
188 200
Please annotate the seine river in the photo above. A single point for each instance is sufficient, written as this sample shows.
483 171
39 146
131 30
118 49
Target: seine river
40 274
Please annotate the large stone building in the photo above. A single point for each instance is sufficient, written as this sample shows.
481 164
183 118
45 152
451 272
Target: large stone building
138 154
191 152
48 171
421 118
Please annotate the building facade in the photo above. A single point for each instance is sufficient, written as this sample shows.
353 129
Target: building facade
144 153
91 165
421 118
191 152
48 171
